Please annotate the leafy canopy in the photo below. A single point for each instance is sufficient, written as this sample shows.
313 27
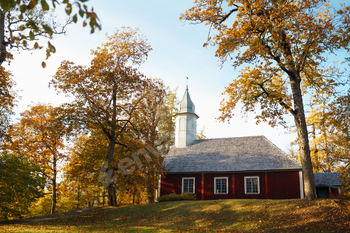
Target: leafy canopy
23 22
20 185
283 41
7 100
83 11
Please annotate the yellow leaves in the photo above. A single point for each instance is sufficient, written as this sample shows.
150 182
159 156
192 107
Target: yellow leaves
259 86
126 46
289 38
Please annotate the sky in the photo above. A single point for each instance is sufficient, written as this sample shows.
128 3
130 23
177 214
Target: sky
177 53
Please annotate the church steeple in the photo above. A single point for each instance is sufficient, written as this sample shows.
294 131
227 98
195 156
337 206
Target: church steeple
186 122
186 104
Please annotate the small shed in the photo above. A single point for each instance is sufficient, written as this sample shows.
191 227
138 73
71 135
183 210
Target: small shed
327 184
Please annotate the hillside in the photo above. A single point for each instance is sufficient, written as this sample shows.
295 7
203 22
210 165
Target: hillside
205 216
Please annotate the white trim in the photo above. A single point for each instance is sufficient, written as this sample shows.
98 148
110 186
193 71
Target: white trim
301 183
339 190
217 178
194 184
245 184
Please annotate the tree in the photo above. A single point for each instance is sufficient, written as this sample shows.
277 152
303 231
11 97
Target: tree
7 101
109 91
151 133
339 115
83 168
286 41
324 151
155 129
20 185
26 21
201 134
40 137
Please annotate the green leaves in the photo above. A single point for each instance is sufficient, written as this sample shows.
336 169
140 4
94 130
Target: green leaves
35 25
75 18
44 5
7 4
48 29
81 13
15 199
31 35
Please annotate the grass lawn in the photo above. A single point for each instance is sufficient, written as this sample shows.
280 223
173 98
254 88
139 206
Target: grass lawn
205 216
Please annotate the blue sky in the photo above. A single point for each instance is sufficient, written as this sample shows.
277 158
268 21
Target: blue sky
177 52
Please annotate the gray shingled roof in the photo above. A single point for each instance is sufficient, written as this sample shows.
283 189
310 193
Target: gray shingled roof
330 179
254 153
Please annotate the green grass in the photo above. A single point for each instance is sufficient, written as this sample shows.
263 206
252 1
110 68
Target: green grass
205 216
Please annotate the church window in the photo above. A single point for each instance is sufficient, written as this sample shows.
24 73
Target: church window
221 185
188 185
251 185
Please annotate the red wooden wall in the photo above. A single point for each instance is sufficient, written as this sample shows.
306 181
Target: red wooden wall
273 185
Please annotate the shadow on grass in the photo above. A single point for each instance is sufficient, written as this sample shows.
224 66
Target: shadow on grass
211 216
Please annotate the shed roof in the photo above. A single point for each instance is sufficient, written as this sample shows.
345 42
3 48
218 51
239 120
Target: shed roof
330 179
255 153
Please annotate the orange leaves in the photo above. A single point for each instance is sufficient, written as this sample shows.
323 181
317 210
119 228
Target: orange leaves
127 46
280 26
119 107
285 40
7 100
40 138
259 86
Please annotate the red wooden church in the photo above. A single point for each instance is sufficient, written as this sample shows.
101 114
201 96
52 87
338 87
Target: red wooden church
241 167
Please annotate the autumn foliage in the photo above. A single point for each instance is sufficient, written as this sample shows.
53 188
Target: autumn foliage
40 137
281 48
117 103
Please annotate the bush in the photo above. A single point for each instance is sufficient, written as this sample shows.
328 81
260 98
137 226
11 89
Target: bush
178 197
20 185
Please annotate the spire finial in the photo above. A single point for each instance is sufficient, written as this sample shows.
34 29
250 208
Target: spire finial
186 83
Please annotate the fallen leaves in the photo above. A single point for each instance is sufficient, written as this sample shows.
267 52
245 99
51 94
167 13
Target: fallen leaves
234 216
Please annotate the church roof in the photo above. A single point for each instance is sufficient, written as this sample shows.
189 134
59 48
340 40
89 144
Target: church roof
186 104
254 153
330 179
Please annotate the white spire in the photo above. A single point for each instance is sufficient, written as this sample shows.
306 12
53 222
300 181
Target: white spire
186 104
186 122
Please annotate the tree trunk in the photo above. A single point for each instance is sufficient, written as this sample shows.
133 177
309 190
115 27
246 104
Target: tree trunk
53 206
2 38
150 196
78 198
111 187
111 195
103 197
303 139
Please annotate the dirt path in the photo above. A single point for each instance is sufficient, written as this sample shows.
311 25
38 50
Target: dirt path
50 217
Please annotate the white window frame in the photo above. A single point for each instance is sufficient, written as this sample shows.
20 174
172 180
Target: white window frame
245 184
194 183
220 178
